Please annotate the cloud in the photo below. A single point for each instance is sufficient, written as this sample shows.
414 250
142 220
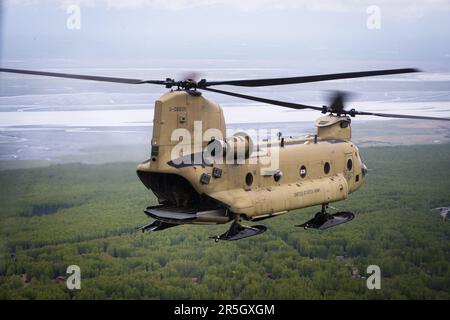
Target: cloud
398 7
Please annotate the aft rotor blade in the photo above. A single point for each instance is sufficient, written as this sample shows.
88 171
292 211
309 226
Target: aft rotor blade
322 109
264 100
82 77
307 79
400 116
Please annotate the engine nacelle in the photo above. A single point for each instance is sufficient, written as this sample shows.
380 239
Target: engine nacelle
236 147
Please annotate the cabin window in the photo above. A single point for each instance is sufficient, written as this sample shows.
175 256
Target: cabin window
217 172
349 164
326 168
357 178
303 171
277 176
205 178
249 179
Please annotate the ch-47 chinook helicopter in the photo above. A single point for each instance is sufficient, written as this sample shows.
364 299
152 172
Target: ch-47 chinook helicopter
196 187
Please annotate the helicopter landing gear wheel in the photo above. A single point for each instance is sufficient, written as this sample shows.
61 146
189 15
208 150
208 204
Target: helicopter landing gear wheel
323 220
238 231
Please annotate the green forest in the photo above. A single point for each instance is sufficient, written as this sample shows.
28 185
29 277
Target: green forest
88 215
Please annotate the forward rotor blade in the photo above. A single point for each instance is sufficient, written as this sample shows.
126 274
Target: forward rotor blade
264 100
400 116
307 79
82 77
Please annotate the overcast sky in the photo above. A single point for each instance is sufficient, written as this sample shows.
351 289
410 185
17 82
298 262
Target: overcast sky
233 29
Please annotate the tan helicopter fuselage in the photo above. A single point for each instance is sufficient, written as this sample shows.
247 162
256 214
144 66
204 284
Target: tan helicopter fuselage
314 170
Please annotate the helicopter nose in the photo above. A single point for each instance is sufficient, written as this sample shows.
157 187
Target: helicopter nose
364 170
